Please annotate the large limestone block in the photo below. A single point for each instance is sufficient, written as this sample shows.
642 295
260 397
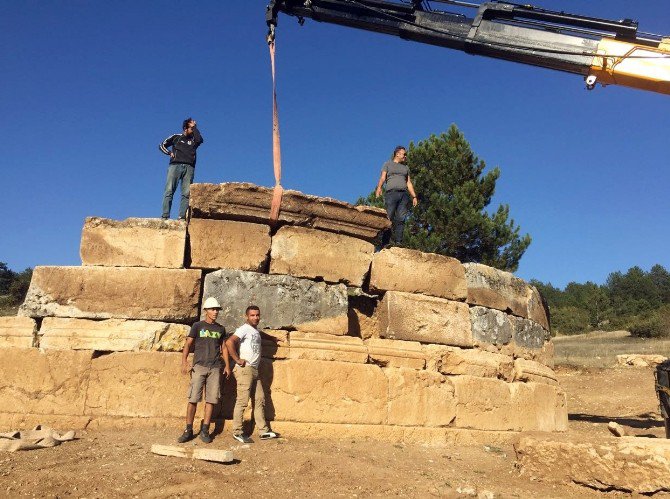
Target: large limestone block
419 398
406 316
315 254
113 292
492 404
328 392
114 335
137 384
627 464
274 344
363 316
491 326
529 370
227 244
251 203
472 362
134 242
43 383
493 288
319 346
396 353
411 271
285 302
17 332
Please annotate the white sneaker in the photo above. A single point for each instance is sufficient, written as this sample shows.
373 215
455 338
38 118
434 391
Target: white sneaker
243 438
268 435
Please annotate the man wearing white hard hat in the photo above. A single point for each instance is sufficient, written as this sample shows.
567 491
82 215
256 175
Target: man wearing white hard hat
207 340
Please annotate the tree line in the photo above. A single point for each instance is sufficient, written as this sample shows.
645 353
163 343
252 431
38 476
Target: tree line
13 286
636 301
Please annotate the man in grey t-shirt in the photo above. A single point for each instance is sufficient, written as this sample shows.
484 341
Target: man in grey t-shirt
398 189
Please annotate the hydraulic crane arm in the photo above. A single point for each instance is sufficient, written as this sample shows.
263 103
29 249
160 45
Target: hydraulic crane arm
601 50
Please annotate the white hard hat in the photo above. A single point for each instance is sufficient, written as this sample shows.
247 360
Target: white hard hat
211 302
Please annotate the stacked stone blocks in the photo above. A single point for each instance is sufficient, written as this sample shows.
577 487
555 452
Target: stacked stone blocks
396 338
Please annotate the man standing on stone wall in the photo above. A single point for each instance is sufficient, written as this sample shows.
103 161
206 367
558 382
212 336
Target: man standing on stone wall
182 164
396 175
244 347
207 339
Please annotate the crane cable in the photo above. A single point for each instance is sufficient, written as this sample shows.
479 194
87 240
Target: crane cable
276 146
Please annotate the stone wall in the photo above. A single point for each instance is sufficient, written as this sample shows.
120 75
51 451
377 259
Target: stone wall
395 344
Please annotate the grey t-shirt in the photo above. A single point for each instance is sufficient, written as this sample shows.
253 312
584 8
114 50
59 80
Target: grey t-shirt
396 176
207 343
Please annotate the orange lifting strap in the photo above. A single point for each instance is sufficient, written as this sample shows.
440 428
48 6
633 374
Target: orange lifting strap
276 148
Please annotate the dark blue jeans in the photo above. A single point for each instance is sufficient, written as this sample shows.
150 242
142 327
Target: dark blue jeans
397 208
177 172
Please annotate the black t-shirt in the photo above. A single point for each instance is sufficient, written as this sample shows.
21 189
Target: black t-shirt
207 343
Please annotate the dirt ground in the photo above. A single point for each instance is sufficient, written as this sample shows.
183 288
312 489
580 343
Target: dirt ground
119 463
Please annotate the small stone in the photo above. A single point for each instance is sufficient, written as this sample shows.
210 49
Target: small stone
616 429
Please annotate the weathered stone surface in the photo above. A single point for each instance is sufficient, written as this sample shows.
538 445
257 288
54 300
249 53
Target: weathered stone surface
339 392
411 271
473 362
170 450
419 398
363 317
492 404
528 334
251 203
627 464
396 353
214 455
285 302
227 244
638 360
137 384
616 429
319 346
501 290
134 242
17 332
113 292
114 335
274 344
315 254
32 382
406 316
529 370
491 326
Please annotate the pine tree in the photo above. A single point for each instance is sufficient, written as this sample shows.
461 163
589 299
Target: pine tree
454 192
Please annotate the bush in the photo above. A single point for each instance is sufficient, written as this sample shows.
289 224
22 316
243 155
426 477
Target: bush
655 324
569 320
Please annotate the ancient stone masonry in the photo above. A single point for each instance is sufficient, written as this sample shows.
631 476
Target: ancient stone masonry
396 344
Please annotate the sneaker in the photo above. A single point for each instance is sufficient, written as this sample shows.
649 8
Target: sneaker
185 437
268 435
243 438
205 437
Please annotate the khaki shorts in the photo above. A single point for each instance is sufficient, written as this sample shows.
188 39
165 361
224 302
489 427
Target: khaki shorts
210 379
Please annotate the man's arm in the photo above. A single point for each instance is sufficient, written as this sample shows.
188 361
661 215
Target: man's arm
184 355
382 179
163 146
197 136
410 188
232 344
226 359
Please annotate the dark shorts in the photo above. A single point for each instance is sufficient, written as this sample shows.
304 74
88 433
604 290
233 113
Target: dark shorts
207 378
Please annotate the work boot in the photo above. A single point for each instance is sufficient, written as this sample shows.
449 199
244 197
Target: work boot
205 437
186 436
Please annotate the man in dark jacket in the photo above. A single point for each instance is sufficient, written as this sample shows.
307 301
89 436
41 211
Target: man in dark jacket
182 164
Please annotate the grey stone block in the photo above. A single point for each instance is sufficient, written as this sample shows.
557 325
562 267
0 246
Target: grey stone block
529 334
491 326
285 302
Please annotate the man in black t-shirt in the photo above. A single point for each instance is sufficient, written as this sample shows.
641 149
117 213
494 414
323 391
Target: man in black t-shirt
207 340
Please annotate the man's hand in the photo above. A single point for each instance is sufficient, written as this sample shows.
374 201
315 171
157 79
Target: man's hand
185 368
242 363
378 192
227 372
415 201
171 154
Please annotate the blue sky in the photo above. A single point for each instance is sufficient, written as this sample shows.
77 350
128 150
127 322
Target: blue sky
90 88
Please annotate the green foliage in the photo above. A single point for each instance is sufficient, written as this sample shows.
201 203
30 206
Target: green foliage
637 301
454 193
13 286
